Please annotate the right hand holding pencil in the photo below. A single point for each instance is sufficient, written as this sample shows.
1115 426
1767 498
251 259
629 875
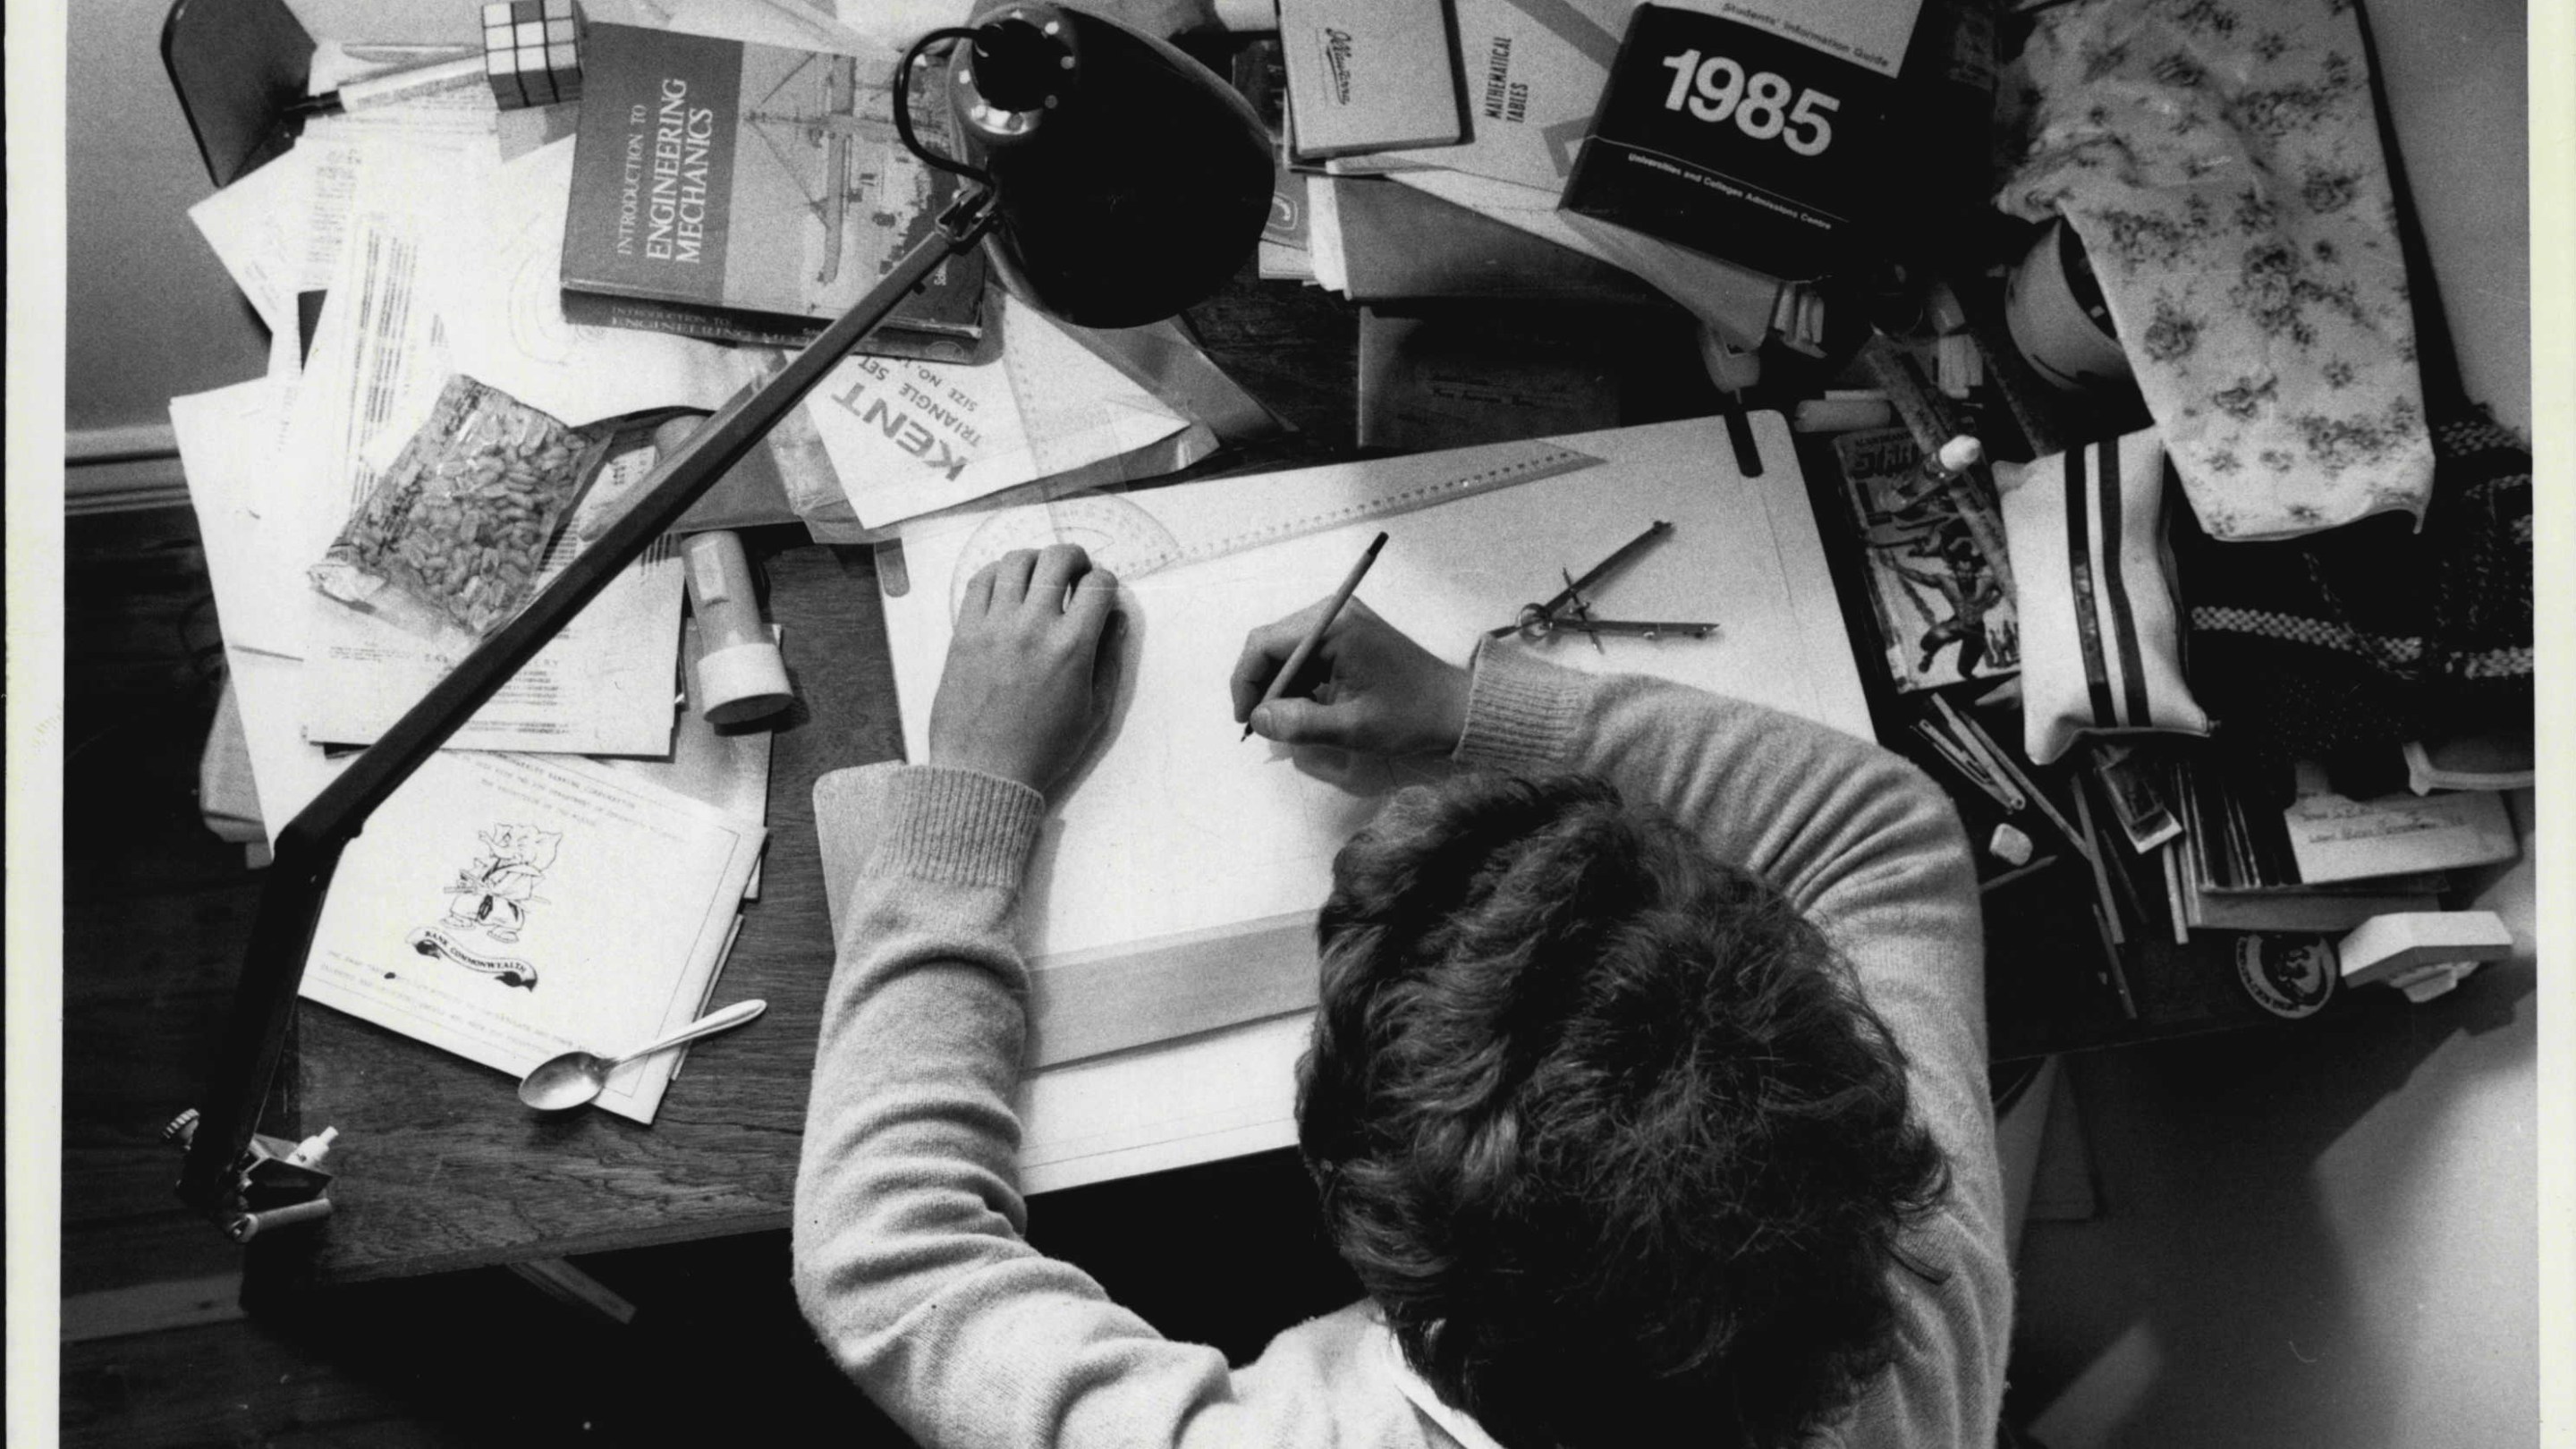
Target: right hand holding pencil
1366 687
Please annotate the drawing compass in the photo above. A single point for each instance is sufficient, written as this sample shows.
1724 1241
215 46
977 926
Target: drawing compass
1569 611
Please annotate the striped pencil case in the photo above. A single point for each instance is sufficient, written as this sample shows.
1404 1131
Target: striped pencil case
2093 584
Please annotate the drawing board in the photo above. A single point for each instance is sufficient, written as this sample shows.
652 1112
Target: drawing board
1176 878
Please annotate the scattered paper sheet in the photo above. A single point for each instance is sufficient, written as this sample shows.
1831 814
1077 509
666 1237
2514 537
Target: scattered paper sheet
257 227
728 769
786 23
280 230
509 908
910 438
377 363
224 444
603 686
228 449
2335 838
499 296
337 63
897 22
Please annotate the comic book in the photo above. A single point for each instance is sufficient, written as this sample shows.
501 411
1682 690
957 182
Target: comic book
1932 552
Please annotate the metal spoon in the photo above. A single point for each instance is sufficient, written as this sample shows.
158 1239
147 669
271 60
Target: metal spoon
562 1083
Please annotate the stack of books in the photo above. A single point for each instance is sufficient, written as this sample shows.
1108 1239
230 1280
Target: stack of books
2240 860
1724 156
2183 837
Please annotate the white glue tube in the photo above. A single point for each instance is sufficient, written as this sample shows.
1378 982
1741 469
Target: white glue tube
740 675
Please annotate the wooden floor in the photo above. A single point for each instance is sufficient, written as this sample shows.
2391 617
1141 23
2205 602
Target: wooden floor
156 910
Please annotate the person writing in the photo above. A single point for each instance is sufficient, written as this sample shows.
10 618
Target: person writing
1646 1095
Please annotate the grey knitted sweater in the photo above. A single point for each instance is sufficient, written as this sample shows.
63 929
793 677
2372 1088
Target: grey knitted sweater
909 1259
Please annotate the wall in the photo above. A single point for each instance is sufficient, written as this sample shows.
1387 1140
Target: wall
151 313
2454 70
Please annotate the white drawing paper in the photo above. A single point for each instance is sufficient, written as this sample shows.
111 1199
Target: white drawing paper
1178 825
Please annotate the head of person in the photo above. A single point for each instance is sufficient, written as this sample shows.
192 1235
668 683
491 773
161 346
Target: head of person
1602 1123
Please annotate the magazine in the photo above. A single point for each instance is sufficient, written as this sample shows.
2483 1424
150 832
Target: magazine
1931 550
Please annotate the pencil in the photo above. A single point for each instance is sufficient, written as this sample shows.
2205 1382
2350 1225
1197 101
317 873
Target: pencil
1305 649
1993 754
2101 873
2113 976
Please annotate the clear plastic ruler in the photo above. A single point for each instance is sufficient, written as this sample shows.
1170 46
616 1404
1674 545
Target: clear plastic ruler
1249 518
1133 535
1186 523
1146 533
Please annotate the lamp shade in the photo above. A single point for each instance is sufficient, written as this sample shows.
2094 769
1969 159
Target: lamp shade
1129 180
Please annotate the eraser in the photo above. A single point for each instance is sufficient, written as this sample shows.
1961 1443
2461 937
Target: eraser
2400 945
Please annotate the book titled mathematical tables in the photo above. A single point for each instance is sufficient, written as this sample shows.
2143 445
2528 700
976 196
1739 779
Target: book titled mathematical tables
751 193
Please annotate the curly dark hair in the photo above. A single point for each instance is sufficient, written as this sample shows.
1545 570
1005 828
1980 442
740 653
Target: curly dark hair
1603 1124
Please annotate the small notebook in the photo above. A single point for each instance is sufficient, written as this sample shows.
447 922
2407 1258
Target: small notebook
1369 75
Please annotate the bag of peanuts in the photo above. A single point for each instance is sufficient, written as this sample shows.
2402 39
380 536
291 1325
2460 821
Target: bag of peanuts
455 532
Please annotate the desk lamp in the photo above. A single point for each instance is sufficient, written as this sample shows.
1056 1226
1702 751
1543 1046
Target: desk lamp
1113 180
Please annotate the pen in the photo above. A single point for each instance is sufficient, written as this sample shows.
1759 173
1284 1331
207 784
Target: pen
385 90
1306 647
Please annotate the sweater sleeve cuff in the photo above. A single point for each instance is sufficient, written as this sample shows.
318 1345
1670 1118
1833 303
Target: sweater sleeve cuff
1521 711
930 822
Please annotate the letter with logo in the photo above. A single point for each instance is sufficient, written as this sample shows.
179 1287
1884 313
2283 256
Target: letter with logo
508 907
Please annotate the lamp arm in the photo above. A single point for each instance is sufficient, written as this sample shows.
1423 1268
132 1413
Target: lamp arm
307 851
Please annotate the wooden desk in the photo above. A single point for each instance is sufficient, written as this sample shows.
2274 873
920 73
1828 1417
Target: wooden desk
440 1166
442 1169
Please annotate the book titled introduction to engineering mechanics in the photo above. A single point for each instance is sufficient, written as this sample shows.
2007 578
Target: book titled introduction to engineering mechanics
752 193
